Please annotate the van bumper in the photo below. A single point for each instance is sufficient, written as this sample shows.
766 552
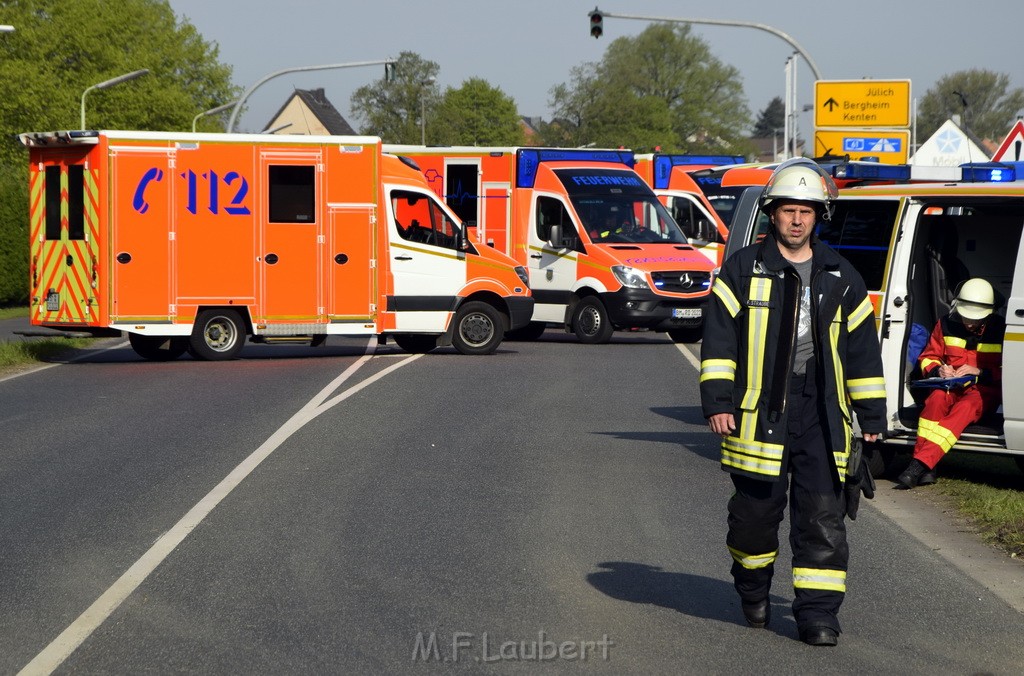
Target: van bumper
520 310
644 309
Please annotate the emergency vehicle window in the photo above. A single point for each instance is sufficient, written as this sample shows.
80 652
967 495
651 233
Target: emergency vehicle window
53 203
691 220
292 194
420 219
76 201
460 192
551 211
860 230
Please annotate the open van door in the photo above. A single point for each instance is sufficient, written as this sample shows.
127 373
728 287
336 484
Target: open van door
1013 359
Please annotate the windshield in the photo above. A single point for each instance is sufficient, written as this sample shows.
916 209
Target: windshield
616 206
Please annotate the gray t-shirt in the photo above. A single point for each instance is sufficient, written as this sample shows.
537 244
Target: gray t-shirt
804 340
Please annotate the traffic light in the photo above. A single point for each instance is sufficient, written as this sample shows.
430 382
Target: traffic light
596 23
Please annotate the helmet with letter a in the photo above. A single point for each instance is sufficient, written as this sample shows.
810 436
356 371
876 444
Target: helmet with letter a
800 180
975 300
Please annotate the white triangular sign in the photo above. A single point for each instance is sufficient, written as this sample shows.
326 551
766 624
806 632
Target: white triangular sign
1012 147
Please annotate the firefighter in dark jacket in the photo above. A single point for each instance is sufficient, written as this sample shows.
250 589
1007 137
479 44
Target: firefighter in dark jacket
789 353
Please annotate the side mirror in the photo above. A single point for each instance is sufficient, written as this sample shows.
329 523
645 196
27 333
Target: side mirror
555 235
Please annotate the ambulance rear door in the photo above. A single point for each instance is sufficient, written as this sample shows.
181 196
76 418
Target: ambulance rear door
1013 360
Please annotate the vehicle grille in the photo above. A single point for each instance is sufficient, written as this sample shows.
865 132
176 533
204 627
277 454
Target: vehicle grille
682 281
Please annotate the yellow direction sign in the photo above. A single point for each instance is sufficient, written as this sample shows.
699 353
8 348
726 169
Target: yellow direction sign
862 103
888 145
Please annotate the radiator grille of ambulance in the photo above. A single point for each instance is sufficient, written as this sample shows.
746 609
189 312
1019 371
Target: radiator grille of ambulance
681 281
73 283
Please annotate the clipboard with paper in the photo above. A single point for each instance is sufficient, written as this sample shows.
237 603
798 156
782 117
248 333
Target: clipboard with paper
957 383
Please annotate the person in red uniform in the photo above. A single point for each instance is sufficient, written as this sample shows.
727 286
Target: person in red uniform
966 344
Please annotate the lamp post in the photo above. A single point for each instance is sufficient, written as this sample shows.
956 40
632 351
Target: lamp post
107 84
423 109
388 65
211 111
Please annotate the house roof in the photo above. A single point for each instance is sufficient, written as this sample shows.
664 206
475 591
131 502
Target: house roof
317 102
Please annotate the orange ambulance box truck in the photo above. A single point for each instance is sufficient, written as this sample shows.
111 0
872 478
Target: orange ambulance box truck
603 253
196 241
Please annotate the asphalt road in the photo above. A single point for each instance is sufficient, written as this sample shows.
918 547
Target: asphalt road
317 511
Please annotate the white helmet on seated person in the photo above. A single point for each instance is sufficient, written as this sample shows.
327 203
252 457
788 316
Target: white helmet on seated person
975 300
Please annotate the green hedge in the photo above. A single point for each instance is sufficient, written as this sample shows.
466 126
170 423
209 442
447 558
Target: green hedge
13 234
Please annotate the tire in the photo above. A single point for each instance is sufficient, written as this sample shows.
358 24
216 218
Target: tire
415 343
530 332
158 348
687 335
219 335
479 328
590 321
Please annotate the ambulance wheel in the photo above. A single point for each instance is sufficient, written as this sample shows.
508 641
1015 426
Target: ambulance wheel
880 460
158 348
415 343
687 335
218 335
479 328
590 321
530 332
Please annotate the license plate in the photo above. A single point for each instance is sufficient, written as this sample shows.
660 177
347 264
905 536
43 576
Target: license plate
685 312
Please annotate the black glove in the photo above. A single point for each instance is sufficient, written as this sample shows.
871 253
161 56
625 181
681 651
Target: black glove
861 482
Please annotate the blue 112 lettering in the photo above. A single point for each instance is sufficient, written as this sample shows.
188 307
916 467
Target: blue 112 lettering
211 181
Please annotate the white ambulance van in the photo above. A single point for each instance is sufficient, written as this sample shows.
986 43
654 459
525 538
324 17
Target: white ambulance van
914 243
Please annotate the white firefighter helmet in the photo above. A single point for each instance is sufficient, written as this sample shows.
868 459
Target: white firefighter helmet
975 300
800 179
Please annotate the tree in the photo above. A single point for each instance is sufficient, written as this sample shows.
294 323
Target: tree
475 114
661 87
392 110
59 49
771 119
983 99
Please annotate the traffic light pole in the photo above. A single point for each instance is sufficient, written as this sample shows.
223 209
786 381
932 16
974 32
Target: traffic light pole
720 22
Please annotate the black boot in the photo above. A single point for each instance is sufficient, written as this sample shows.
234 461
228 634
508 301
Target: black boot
819 636
758 614
928 478
911 476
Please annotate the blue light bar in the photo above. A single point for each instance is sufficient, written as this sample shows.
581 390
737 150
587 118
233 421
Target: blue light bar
990 172
528 160
869 171
663 165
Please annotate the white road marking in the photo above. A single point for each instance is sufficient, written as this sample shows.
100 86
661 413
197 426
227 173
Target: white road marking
78 631
689 355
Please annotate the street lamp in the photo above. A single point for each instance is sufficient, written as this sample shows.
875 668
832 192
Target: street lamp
211 111
111 83
423 109
388 69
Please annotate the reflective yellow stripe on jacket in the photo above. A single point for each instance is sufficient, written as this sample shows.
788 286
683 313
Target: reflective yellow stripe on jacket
757 336
717 369
728 298
834 330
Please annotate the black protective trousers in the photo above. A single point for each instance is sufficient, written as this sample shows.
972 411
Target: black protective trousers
817 530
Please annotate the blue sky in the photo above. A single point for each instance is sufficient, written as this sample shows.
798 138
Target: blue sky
525 47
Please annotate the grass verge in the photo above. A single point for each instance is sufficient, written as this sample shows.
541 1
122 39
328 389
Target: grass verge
988 491
25 352
12 312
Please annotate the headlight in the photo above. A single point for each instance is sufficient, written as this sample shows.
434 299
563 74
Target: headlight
631 277
521 271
